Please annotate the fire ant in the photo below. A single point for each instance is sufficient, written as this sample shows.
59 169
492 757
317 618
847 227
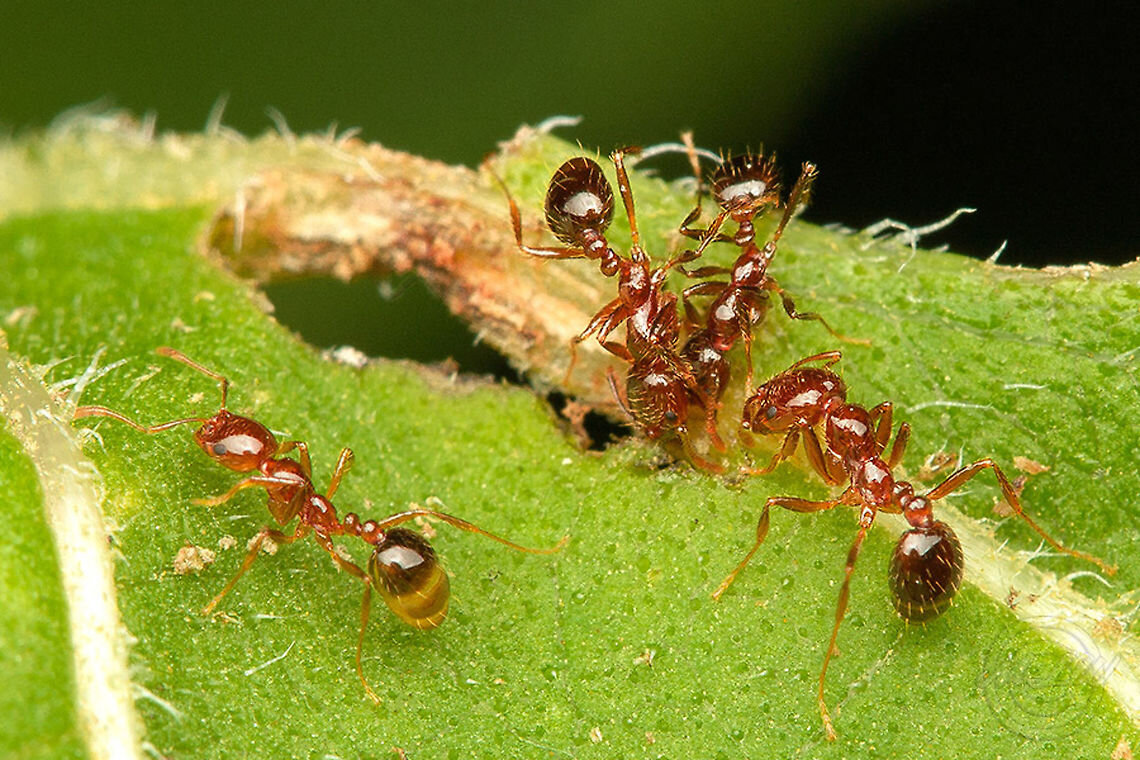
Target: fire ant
403 565
744 186
579 209
926 566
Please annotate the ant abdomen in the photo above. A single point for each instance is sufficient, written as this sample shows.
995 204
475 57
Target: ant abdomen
925 571
658 398
746 180
405 571
579 201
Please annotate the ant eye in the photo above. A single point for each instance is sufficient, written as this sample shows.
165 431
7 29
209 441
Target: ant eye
771 412
671 416
219 449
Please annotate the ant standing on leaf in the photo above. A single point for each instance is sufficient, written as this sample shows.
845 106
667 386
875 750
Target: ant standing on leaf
659 384
403 566
926 567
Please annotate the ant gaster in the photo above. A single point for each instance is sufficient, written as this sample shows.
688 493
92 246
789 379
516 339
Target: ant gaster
579 208
926 567
403 566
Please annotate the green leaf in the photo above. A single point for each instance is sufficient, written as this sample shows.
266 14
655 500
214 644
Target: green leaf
611 648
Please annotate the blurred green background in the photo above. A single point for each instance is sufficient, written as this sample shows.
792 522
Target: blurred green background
911 109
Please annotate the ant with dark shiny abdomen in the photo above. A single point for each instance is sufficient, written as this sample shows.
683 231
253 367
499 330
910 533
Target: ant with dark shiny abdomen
579 208
926 567
403 566
745 187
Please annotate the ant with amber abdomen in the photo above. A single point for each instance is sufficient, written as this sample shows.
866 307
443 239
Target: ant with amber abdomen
579 209
403 566
926 567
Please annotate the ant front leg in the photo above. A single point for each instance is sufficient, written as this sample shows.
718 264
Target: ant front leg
255 546
957 479
787 449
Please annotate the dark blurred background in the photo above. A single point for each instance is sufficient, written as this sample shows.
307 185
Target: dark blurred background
1027 112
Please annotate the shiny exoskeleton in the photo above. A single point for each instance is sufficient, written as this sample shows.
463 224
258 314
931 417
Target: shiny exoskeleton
926 567
403 566
744 187
659 385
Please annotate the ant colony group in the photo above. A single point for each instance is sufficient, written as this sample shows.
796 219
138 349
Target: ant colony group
666 380
666 377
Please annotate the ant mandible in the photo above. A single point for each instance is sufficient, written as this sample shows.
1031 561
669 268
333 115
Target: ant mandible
579 208
403 565
926 566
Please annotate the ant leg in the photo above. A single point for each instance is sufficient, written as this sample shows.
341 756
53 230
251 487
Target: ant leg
257 481
348 566
302 454
556 252
618 157
882 417
827 357
604 322
178 356
787 502
787 448
790 309
277 537
365 611
799 195
694 457
899 448
102 411
455 522
957 479
818 461
840 611
343 465
619 393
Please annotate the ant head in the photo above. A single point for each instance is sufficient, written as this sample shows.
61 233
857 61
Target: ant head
745 184
657 396
404 569
925 571
580 201
237 443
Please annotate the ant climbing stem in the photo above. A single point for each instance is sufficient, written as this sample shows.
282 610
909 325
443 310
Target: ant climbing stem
579 208
926 567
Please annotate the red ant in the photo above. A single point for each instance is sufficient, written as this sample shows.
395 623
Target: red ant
744 187
403 566
926 567
579 208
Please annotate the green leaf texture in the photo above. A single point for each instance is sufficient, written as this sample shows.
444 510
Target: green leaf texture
613 647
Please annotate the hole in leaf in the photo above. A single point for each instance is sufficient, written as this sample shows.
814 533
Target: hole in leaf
401 318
